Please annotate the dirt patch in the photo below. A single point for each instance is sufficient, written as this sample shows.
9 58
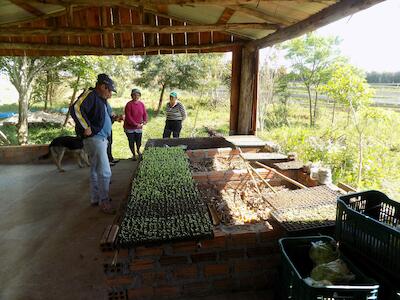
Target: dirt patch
239 206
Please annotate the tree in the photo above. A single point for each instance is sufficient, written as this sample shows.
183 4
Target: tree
81 70
22 71
182 71
348 86
267 81
311 57
217 73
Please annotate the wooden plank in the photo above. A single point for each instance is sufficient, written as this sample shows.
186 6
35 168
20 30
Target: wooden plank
263 156
253 128
248 84
104 236
345 187
137 36
165 39
113 235
93 19
116 21
86 50
235 89
178 38
245 141
272 19
27 7
226 15
282 176
126 37
84 40
150 38
328 15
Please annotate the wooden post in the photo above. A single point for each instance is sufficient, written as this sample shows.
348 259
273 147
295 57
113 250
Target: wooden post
248 91
235 89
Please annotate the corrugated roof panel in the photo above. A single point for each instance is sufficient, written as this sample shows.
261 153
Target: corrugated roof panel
48 8
10 12
198 14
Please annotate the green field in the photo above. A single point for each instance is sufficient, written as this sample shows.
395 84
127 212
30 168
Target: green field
333 145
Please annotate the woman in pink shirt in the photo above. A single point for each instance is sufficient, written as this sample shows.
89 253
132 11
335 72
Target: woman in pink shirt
135 118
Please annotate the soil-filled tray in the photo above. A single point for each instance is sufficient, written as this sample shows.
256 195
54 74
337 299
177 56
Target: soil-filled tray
239 205
164 204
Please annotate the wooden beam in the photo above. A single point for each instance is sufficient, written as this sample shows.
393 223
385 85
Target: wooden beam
226 15
248 84
262 15
57 31
328 15
27 7
112 51
165 2
235 89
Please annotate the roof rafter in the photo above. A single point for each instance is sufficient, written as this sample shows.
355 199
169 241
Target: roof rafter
113 51
260 15
58 31
166 2
27 7
328 15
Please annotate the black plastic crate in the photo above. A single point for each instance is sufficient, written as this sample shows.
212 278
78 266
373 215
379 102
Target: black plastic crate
368 223
296 266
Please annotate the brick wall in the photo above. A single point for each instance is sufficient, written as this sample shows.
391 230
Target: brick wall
21 154
236 259
27 154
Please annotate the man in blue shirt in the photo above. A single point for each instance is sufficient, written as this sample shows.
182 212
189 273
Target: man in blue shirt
93 124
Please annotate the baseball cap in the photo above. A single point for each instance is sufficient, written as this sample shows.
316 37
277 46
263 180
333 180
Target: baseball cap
173 94
136 91
104 78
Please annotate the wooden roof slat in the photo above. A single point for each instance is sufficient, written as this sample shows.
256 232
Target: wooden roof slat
95 28
273 19
116 21
162 2
93 18
226 15
86 50
27 7
127 37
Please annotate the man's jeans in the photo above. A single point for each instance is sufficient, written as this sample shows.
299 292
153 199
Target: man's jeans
100 171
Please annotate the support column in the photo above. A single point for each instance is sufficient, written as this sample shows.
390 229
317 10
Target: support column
248 91
235 89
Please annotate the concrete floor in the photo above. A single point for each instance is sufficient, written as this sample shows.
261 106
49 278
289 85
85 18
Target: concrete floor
49 233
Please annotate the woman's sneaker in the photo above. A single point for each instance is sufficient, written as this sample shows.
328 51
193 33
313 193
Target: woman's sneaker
107 208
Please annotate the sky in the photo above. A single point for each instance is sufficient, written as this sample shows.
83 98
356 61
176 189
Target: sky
370 38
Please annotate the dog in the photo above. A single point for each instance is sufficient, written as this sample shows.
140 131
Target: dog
60 145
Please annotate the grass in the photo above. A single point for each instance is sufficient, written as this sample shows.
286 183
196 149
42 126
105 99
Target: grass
334 145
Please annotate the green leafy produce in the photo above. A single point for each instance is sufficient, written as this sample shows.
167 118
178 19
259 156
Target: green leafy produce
335 272
164 204
322 252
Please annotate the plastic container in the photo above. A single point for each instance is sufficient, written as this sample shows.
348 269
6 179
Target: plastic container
368 224
296 266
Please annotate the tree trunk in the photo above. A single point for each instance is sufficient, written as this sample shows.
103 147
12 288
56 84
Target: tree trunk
72 100
161 100
51 93
315 107
333 112
310 101
46 99
360 158
23 117
23 101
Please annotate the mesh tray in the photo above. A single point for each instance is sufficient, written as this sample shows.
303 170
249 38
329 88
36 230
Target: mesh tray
303 198
305 218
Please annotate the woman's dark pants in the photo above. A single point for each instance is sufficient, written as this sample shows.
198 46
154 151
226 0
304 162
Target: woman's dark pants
173 127
134 138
